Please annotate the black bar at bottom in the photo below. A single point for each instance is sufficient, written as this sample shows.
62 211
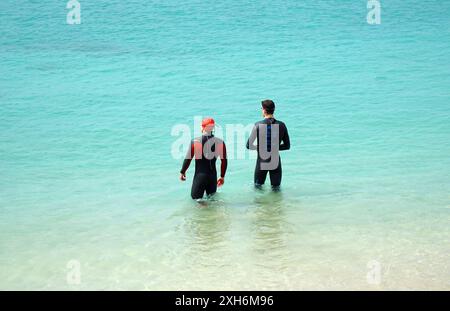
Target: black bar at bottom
224 300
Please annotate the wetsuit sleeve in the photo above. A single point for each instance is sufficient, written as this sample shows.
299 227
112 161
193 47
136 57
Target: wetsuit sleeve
251 141
286 142
223 159
188 159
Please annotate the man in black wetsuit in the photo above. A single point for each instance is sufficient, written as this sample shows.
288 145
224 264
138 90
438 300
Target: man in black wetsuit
206 149
271 136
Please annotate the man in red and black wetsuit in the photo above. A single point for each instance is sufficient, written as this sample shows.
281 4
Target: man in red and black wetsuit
206 149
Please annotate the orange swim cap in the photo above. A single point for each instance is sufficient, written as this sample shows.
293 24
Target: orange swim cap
208 124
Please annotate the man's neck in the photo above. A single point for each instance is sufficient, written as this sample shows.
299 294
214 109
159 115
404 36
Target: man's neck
268 116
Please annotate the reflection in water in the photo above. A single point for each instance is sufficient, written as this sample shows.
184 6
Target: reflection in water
207 225
268 222
224 243
271 230
195 258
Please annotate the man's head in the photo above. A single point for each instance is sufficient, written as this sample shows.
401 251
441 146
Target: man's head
208 125
268 107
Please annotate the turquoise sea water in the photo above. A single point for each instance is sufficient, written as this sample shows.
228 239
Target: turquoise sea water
86 172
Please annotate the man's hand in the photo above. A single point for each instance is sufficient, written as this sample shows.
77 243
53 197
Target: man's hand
220 181
182 177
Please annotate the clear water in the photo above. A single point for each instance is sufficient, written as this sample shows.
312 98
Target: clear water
86 174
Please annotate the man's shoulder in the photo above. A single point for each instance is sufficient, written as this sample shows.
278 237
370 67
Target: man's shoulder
280 123
202 139
264 121
218 140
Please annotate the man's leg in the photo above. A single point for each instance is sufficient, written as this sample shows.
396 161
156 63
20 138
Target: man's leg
260 175
198 187
211 185
276 176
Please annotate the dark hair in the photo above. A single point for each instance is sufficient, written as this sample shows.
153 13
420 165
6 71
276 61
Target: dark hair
268 105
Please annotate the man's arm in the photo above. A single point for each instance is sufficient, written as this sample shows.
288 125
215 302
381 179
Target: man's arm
251 141
187 161
223 159
285 140
224 163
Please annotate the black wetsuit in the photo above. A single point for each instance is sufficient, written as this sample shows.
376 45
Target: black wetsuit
271 136
205 150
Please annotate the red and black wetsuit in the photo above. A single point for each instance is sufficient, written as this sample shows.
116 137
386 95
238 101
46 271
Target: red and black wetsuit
205 150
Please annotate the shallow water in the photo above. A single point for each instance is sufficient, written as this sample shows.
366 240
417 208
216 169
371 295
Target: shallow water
86 172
